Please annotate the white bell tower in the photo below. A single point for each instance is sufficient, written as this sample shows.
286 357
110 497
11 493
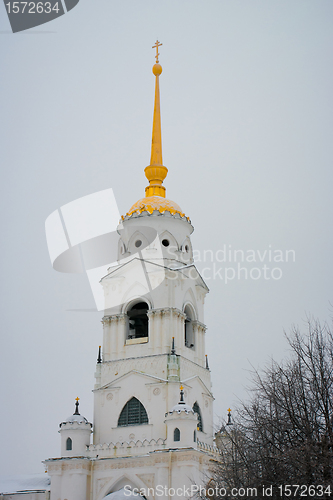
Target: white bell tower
154 335
154 331
153 347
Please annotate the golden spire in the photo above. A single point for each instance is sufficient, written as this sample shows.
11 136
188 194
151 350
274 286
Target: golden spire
156 172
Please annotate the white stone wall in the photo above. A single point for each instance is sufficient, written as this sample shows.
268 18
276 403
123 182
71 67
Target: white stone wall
70 478
165 469
158 396
77 479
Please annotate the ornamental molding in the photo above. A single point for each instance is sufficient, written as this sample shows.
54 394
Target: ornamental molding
155 458
77 466
113 318
199 325
147 479
120 463
138 358
167 311
154 313
54 467
101 483
70 463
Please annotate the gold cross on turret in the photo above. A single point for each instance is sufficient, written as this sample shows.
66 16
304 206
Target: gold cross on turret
156 46
77 399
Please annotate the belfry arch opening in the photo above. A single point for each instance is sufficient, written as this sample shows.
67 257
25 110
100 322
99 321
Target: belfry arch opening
189 339
137 323
196 409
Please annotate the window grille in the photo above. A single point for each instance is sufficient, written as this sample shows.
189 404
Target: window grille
133 413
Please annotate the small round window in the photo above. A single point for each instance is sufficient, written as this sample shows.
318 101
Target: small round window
138 243
165 243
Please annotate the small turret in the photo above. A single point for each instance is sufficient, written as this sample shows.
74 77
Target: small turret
75 434
181 422
222 437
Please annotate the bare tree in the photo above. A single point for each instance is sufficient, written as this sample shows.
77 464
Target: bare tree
283 435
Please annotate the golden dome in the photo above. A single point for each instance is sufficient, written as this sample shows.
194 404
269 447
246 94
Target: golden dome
151 203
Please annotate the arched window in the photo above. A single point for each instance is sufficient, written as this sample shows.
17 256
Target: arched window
69 444
133 413
176 434
137 321
196 409
189 334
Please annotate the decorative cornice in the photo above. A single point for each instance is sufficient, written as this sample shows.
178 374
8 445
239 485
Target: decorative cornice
68 463
199 325
113 317
166 311
151 458
124 360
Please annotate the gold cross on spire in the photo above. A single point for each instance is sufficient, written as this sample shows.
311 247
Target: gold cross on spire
77 399
156 46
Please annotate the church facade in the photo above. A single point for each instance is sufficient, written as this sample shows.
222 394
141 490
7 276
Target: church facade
153 403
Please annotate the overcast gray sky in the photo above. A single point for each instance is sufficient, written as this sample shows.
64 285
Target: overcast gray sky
246 98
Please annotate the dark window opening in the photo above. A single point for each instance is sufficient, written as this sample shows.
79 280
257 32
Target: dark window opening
189 333
195 436
176 434
196 409
138 321
68 444
165 243
133 413
138 243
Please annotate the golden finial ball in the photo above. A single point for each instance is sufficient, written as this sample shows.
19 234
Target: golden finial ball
157 69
